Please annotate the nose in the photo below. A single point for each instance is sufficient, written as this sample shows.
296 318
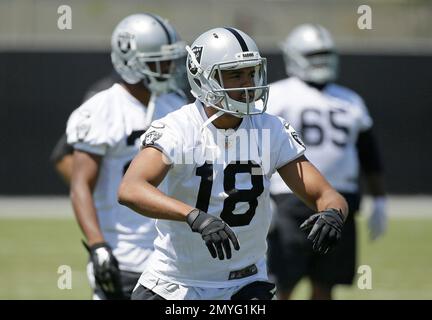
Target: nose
247 81
165 66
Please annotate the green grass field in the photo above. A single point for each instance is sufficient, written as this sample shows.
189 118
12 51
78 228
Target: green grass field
32 249
401 263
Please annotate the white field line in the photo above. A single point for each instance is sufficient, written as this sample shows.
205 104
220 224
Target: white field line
36 207
60 207
401 207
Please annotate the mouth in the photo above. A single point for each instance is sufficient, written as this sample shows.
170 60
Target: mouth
250 95
320 65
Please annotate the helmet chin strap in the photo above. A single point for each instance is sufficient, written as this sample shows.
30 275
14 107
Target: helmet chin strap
206 133
211 119
150 110
217 115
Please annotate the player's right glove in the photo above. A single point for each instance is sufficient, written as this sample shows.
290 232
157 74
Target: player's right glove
215 233
106 270
378 219
326 229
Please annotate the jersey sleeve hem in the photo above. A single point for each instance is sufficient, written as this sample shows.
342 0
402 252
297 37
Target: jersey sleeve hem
157 147
298 155
98 150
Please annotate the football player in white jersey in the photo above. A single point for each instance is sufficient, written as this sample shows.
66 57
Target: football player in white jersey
336 129
105 132
215 157
62 154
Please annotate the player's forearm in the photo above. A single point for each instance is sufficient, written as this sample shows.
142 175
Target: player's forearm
147 200
330 198
85 213
311 187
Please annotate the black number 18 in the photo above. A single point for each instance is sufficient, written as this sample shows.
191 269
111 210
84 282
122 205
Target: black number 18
234 195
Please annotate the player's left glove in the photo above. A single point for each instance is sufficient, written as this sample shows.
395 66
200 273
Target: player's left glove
326 229
106 270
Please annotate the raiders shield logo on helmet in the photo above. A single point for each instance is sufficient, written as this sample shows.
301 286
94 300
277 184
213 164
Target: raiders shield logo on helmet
124 42
198 53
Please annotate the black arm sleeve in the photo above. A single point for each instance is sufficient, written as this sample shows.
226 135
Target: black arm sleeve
61 149
369 155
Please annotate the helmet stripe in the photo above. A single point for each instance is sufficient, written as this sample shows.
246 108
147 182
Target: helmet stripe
239 38
163 27
319 31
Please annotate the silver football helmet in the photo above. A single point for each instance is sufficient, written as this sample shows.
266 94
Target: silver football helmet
138 42
222 49
309 54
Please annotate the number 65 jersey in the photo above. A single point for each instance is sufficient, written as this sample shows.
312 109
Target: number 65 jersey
329 122
225 173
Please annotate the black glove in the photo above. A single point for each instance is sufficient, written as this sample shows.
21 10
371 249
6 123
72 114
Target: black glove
106 270
214 231
326 229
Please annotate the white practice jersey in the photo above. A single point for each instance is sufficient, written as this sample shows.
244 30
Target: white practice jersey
225 173
109 124
329 123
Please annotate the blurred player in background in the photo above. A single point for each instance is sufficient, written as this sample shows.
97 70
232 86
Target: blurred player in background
104 132
337 129
62 154
215 187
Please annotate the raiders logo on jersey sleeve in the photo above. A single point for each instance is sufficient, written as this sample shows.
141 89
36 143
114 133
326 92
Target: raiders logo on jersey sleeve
83 125
151 137
294 134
